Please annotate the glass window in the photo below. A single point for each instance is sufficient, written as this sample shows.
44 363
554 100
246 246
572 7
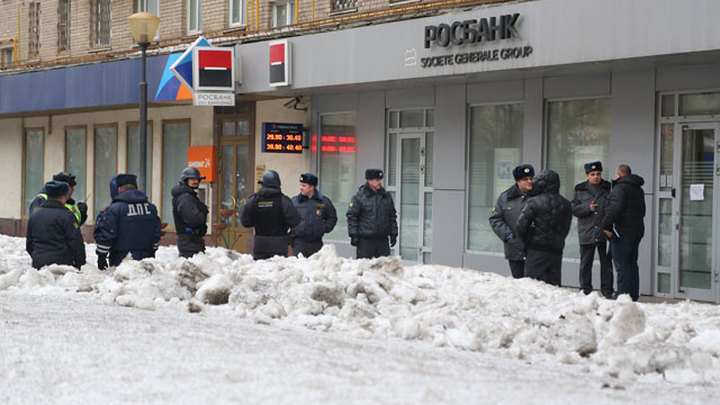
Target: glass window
496 139
105 164
176 140
63 26
34 30
578 133
283 13
148 6
668 105
133 153
33 165
699 104
344 5
6 57
75 151
666 156
100 22
237 12
412 119
194 16
338 162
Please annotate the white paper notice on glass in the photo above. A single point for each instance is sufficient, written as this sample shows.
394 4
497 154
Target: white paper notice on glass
697 192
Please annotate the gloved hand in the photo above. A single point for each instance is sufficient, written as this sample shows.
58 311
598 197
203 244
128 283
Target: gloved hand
393 240
510 236
82 207
102 261
354 241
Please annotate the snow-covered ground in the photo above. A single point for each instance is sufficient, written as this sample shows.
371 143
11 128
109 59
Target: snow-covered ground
221 328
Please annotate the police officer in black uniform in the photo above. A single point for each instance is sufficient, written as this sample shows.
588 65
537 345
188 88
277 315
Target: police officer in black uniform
272 214
372 218
53 233
190 213
129 225
317 217
504 217
590 200
79 209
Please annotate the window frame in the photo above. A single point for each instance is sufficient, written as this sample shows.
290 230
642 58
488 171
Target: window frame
85 155
149 151
96 210
64 27
243 13
34 30
188 121
96 23
290 20
468 150
24 209
197 19
11 62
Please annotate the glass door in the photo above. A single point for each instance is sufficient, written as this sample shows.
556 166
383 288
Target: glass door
697 272
236 183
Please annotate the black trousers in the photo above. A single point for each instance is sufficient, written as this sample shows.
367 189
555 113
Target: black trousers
369 248
544 266
587 255
517 268
307 248
189 244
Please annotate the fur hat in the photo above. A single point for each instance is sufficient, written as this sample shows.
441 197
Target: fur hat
522 171
55 189
373 174
309 178
593 167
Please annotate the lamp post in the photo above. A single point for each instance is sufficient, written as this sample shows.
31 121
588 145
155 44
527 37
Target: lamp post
143 26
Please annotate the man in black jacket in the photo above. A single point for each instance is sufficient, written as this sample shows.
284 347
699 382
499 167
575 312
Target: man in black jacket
543 224
317 217
372 218
53 233
589 203
624 225
129 225
272 214
505 213
189 213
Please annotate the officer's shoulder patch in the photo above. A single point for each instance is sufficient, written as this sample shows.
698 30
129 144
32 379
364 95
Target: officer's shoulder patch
76 225
351 204
493 209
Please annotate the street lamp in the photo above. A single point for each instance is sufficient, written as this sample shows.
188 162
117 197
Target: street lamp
143 26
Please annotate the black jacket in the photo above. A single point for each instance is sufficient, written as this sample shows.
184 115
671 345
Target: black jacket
272 214
503 221
189 213
130 224
371 214
626 209
589 222
317 217
545 219
53 236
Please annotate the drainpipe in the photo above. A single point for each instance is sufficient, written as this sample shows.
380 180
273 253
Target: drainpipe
297 11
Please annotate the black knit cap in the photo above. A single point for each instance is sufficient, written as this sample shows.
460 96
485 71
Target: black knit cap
126 178
593 167
309 178
373 174
523 171
65 177
55 189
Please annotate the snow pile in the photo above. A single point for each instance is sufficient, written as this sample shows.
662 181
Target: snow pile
381 298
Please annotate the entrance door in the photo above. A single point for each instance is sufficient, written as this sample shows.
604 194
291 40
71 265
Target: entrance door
414 197
236 182
697 273
687 253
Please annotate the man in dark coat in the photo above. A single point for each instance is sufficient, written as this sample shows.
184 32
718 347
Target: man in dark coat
372 218
505 213
79 209
543 224
317 217
129 225
624 225
53 233
590 201
272 214
189 213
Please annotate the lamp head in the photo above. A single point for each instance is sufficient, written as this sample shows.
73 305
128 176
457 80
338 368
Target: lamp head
144 26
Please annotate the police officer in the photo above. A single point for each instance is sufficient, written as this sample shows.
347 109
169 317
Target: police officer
543 225
505 213
372 218
272 214
317 217
53 232
78 209
589 203
129 225
190 213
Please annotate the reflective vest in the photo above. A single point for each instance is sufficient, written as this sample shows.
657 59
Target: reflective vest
72 207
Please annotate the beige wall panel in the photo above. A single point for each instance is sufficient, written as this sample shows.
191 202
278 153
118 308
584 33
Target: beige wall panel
11 156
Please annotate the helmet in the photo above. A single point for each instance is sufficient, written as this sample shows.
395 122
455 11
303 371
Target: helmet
65 177
270 178
191 173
